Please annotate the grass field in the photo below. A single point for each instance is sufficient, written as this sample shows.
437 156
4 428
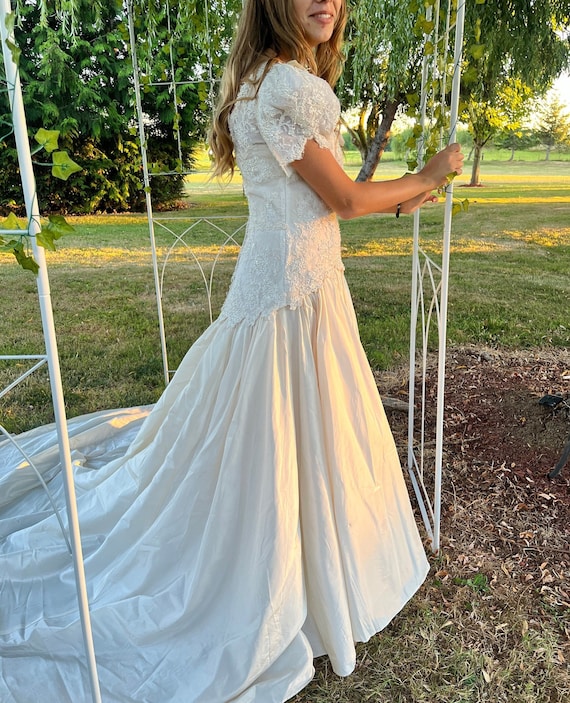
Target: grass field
509 284
482 629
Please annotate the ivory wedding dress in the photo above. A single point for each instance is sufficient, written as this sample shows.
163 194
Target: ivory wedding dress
259 516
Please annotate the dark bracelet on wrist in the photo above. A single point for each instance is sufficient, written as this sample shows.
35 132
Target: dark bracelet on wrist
398 208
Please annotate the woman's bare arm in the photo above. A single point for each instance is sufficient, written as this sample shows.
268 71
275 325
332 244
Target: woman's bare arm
349 199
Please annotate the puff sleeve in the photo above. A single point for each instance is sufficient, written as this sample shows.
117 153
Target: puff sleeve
294 106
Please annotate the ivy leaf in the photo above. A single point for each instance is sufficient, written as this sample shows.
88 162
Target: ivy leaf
427 25
10 22
25 261
58 225
412 99
48 138
14 50
477 51
63 166
11 222
45 239
8 245
470 75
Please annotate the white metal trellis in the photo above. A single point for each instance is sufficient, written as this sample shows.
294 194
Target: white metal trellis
421 271
426 273
51 356
219 226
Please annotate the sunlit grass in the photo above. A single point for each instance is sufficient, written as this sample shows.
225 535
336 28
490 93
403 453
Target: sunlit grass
547 237
503 251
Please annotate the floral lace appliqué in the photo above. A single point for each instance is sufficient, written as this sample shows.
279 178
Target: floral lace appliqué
292 242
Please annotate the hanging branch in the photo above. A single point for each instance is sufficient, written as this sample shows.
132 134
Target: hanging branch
433 117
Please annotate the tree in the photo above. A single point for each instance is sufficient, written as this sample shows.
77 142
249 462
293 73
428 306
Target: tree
515 140
554 126
383 59
76 72
506 114
504 41
510 47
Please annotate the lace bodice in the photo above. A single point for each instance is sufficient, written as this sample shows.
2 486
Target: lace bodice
292 240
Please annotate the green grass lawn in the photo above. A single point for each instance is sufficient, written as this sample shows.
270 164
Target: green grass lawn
509 284
465 637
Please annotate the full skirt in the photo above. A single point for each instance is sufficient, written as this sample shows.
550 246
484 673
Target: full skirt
258 518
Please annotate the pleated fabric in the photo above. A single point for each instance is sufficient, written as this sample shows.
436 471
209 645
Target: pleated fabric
259 518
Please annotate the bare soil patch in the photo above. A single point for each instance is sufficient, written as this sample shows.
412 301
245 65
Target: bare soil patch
494 421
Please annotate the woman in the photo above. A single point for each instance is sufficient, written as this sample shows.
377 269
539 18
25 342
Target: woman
260 517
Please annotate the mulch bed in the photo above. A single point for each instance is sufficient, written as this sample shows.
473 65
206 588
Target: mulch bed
501 514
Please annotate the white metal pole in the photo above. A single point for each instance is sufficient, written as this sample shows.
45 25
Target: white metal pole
148 197
415 294
32 210
454 108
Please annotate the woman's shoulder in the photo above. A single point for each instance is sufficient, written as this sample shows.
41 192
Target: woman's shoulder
290 74
289 84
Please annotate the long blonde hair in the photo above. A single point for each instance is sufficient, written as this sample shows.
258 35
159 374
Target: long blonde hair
268 29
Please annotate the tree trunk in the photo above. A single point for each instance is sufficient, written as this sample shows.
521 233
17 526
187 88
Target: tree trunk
379 141
548 152
355 139
477 152
512 153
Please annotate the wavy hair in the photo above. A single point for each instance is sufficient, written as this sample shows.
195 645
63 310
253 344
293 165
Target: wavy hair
268 29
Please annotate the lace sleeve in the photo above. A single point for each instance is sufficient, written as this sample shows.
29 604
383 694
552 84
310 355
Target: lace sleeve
294 106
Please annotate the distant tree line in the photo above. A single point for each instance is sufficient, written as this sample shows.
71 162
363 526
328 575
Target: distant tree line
549 133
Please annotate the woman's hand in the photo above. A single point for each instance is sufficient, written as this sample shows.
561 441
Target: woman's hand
409 206
445 163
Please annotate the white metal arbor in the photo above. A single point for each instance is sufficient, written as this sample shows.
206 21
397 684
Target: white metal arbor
50 357
224 231
430 280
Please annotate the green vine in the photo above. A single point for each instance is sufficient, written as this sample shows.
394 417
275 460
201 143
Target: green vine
428 140
62 166
19 245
